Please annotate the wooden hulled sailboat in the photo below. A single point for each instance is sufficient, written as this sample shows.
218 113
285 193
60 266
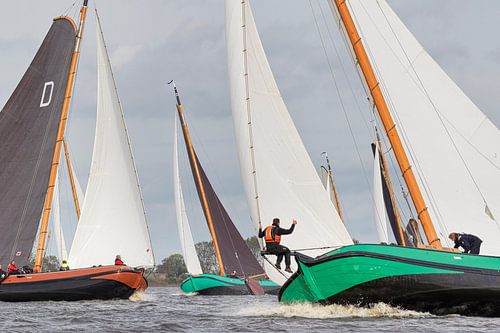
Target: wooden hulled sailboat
454 151
232 253
32 126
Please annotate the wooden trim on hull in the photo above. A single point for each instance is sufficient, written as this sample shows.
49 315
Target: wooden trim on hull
106 282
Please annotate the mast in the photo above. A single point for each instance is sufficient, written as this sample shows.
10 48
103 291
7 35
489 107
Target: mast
72 180
60 135
388 123
334 188
197 178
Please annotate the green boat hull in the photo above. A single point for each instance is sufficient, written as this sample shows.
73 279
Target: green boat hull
209 284
438 282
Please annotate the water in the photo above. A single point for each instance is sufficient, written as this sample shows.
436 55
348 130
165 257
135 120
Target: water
167 309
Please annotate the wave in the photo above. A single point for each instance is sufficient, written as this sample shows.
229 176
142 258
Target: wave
317 311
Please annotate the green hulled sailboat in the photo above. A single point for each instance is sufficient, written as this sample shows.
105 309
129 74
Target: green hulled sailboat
240 272
448 155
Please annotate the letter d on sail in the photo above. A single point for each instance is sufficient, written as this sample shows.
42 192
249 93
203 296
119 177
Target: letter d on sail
45 101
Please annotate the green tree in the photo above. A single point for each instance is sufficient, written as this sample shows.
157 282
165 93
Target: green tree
49 263
173 267
254 246
206 254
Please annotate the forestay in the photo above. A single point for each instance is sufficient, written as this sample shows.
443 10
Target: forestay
28 129
112 220
188 249
454 147
278 175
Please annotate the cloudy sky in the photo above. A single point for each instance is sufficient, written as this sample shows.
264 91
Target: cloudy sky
151 42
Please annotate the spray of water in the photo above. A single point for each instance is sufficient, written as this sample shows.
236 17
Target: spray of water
141 296
307 310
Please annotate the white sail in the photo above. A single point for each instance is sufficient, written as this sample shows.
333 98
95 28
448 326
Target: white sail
58 233
112 219
278 175
188 249
454 147
378 200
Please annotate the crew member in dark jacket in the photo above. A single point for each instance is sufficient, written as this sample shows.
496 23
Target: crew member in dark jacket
272 235
470 243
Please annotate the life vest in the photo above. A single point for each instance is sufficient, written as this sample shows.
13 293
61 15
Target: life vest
64 267
118 262
269 236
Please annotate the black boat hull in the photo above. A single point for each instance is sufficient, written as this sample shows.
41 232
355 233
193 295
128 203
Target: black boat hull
441 294
112 282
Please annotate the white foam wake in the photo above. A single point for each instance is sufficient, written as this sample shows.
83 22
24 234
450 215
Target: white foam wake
316 311
141 296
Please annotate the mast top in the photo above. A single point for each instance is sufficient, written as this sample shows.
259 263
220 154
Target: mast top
175 92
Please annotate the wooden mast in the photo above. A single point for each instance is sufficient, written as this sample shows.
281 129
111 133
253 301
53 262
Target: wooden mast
199 183
60 135
388 182
388 123
72 180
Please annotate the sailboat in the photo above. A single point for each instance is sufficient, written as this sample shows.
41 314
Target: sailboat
278 175
32 126
240 272
447 141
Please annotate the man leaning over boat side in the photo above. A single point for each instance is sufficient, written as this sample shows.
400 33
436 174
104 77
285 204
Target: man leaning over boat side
272 235
470 243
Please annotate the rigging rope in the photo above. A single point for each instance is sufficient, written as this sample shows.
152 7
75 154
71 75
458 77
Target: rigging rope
341 101
276 268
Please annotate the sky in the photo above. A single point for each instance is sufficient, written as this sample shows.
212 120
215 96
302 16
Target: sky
152 42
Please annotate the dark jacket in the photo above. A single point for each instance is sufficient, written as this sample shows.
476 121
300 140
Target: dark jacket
277 231
466 241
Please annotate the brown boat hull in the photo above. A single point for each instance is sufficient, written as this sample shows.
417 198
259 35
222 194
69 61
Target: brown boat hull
107 282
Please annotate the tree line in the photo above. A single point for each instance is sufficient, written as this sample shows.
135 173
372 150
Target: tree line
172 269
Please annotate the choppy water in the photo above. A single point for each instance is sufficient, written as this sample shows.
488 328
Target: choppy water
167 309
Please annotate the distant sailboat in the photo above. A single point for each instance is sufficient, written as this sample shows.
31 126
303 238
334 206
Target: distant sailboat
187 243
232 253
378 198
449 155
32 125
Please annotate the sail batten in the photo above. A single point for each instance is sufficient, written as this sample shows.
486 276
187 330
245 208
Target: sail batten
112 219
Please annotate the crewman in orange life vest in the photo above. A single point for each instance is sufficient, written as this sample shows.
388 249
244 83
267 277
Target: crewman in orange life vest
272 235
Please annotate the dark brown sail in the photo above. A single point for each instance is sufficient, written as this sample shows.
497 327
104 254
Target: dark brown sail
28 128
236 256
